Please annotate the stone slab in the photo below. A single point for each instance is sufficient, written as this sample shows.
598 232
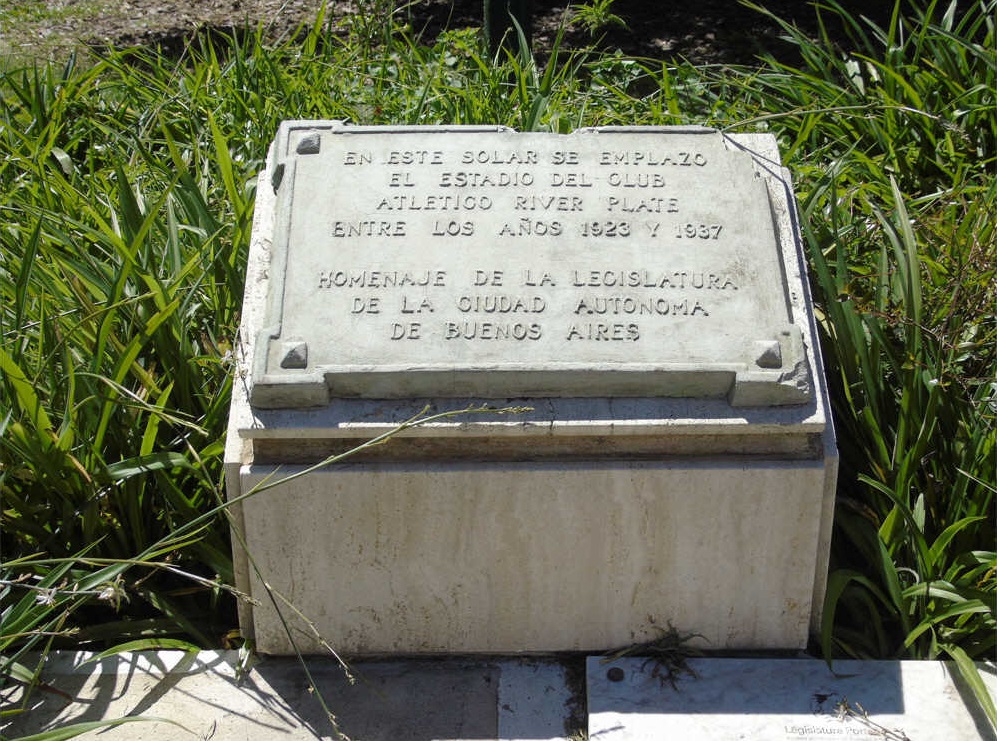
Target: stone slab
478 261
410 558
505 699
783 700
541 699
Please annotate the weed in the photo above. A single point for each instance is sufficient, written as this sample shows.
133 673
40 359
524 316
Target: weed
595 16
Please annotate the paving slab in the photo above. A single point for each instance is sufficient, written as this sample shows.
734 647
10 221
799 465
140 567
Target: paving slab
636 699
506 699
205 694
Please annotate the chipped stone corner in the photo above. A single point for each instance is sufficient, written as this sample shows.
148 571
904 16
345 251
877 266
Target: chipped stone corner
294 354
777 375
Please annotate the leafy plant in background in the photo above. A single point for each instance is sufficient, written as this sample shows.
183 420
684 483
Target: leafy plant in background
122 281
596 15
896 140
915 565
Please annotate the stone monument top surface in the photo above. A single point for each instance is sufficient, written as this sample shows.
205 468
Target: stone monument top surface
467 261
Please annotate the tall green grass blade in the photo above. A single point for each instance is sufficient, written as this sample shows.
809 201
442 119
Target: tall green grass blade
28 400
141 465
145 644
78 729
971 675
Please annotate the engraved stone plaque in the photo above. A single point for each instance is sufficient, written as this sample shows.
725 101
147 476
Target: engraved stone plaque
639 292
481 262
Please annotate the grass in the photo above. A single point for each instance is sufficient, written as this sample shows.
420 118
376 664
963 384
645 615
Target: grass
901 234
33 29
126 192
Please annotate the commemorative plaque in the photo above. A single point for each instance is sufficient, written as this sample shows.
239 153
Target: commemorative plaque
637 295
466 261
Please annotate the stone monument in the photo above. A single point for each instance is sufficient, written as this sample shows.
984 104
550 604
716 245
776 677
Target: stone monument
639 291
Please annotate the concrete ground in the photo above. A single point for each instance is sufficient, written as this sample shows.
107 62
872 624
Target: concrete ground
172 695
208 696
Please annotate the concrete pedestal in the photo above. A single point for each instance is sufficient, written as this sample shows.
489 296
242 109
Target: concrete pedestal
501 558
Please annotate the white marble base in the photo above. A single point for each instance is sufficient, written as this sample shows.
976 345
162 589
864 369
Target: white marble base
505 558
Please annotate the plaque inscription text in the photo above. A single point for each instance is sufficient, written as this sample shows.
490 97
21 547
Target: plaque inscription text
483 262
